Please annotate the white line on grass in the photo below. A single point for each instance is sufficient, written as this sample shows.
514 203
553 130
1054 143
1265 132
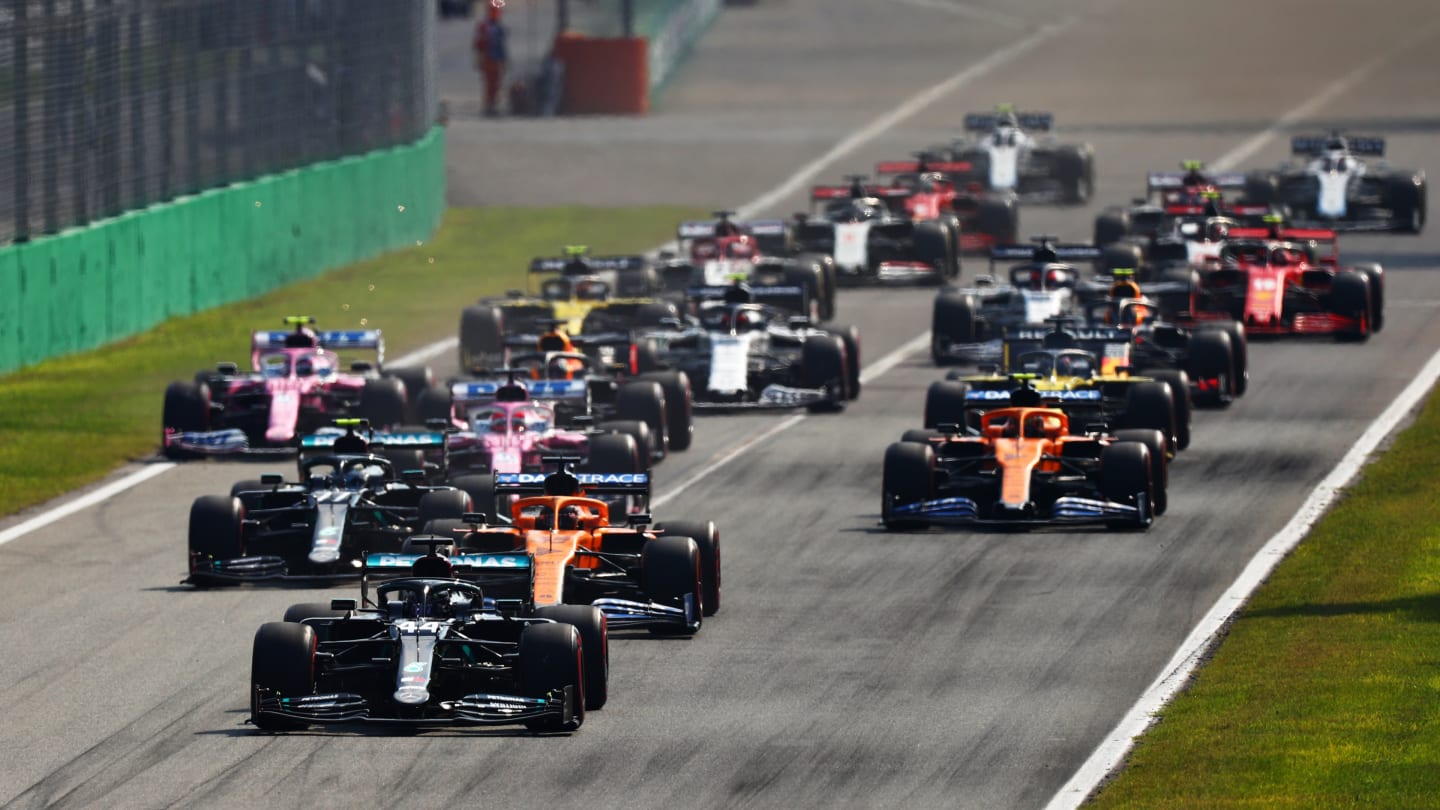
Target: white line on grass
1111 752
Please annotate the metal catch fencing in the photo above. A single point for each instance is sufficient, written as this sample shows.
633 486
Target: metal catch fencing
111 105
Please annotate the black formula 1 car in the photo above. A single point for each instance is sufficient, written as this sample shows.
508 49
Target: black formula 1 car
427 650
740 354
350 499
872 238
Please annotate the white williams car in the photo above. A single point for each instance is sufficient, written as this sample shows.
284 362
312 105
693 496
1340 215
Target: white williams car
1006 151
1337 187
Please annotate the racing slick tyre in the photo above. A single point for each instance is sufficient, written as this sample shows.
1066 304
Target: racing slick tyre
552 658
187 409
1075 168
1179 383
1350 298
444 504
920 435
999 218
217 527
1152 405
613 453
481 489
644 358
1111 226
850 336
638 283
1376 274
707 541
1188 282
953 321
670 572
1154 442
655 313
1261 188
945 403
953 228
416 379
1212 358
433 403
909 477
644 401
482 338
931 245
823 364
246 485
641 433
594 645
679 406
810 276
382 401
1407 200
1125 477
1121 256
282 660
1239 351
312 610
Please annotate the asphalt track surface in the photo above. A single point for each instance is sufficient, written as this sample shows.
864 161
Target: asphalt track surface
848 667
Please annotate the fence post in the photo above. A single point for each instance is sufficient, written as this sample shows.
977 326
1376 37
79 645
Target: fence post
20 70
136 66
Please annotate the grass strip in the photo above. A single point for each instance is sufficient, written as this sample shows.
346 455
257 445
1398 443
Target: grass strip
69 421
1326 690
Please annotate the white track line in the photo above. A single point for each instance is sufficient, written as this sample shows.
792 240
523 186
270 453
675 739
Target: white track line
84 501
871 373
790 185
1111 752
974 12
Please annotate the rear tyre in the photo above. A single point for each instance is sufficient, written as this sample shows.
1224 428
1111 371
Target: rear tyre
1111 226
416 380
382 401
1350 298
613 453
945 403
482 338
433 403
1154 442
670 572
640 432
953 321
444 504
594 644
1125 478
1212 358
1179 383
1076 173
850 336
823 365
679 406
1376 274
481 489
187 409
551 659
931 245
644 401
1151 405
909 477
707 542
282 660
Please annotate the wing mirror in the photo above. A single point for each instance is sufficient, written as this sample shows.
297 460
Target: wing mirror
272 479
342 604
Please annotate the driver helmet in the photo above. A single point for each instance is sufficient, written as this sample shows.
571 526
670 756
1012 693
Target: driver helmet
304 367
1217 231
569 518
744 320
591 290
1125 288
1007 119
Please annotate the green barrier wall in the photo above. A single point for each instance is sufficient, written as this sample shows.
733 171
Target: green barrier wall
672 27
88 286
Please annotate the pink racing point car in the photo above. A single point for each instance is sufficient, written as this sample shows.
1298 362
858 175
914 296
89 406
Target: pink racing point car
296 386
510 427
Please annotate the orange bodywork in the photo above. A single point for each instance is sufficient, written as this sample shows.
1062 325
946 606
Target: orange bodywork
536 531
1023 440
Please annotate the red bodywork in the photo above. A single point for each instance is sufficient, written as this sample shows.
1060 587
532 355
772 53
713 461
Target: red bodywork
928 199
1276 282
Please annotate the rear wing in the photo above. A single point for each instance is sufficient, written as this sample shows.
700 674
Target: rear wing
819 193
1167 181
785 297
1312 145
465 561
1242 210
331 339
705 229
984 122
1293 234
597 263
1076 252
486 390
989 398
412 440
592 483
914 166
1084 334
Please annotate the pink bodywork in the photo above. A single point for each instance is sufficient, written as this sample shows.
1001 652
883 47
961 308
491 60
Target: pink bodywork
514 434
290 392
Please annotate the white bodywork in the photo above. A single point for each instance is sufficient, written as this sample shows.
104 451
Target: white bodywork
719 272
1006 147
730 363
1334 172
851 240
1043 304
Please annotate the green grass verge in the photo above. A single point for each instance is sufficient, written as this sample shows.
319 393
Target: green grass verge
1326 691
69 421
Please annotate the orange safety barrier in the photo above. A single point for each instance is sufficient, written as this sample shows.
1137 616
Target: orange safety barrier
604 75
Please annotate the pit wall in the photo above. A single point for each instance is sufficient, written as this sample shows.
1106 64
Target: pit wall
624 75
89 286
